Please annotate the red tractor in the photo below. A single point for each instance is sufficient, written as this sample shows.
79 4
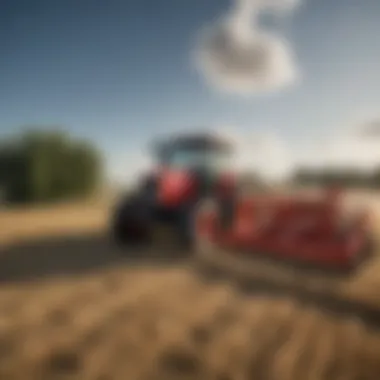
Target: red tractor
190 168
193 191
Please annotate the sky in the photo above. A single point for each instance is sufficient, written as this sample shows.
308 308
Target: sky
291 73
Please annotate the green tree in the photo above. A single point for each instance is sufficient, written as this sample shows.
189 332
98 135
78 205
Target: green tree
42 166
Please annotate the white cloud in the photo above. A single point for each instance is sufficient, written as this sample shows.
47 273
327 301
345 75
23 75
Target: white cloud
274 5
353 152
236 56
357 148
369 129
273 157
265 153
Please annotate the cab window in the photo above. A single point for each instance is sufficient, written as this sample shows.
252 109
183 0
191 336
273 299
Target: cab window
213 160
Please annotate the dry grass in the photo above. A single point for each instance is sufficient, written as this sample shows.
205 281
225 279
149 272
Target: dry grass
149 324
29 224
165 324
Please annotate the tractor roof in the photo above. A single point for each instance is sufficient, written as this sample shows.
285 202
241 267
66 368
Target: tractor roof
194 141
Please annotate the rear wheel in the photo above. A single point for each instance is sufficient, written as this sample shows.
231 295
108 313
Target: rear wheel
131 222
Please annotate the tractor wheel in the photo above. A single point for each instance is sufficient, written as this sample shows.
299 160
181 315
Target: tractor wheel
130 224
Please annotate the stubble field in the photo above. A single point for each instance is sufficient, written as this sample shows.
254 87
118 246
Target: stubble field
76 308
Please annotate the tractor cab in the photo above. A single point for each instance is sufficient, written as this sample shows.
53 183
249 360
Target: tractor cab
188 169
194 153
191 167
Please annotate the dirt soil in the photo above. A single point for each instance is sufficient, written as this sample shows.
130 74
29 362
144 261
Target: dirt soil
78 308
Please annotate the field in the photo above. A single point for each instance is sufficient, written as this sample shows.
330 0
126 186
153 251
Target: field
74 307
66 219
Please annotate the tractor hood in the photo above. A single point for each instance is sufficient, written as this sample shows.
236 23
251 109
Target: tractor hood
176 186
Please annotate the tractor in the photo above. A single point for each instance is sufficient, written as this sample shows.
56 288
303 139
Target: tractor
194 192
189 168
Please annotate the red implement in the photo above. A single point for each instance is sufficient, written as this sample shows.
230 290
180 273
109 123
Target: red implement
312 232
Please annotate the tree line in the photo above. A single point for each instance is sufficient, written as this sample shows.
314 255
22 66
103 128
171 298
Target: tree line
42 166
345 178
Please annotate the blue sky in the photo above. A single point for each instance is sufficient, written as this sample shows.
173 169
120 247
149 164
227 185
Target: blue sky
120 71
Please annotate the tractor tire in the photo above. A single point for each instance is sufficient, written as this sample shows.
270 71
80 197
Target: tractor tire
131 223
